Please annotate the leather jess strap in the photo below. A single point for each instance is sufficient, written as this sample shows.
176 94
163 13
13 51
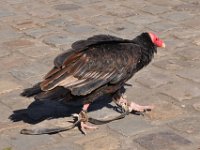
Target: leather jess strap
77 122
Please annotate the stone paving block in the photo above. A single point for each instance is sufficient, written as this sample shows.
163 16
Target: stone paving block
67 7
7 86
188 125
17 17
9 62
190 74
162 54
153 9
15 2
102 20
125 29
171 64
48 61
80 29
143 19
25 24
5 143
161 103
196 106
40 51
188 33
100 133
133 4
31 72
122 12
85 13
18 43
14 101
60 40
17 8
166 3
184 90
197 42
194 2
7 126
42 13
105 143
172 44
177 16
188 7
8 83
9 34
4 52
101 139
86 2
130 126
193 22
60 22
63 145
104 7
164 111
5 113
5 13
39 32
166 52
135 91
152 78
127 143
18 141
162 26
165 140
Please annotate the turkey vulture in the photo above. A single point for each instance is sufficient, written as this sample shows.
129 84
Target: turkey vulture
99 65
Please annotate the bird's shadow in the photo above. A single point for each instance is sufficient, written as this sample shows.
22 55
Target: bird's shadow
38 111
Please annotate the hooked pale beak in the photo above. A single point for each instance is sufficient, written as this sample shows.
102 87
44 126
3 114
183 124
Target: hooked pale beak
163 45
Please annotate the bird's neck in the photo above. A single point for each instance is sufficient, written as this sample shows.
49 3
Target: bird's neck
147 47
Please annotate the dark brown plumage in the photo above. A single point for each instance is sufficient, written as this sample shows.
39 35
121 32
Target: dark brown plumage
94 67
101 60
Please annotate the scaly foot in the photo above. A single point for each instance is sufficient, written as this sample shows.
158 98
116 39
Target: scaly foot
82 116
131 106
135 107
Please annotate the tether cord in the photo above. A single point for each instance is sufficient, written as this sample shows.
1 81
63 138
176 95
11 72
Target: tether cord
77 122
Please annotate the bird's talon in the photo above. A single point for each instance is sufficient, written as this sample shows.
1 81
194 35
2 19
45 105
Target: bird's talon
84 127
75 115
126 106
124 96
140 113
139 108
83 118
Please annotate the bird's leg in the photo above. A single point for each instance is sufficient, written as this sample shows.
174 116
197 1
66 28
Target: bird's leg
84 119
131 106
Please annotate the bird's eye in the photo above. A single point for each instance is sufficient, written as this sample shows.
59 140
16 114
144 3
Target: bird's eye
156 39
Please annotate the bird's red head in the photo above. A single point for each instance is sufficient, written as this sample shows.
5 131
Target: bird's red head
158 42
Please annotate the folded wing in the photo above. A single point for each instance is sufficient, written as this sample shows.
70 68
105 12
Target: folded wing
102 62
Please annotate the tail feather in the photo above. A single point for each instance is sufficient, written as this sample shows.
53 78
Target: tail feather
32 91
54 94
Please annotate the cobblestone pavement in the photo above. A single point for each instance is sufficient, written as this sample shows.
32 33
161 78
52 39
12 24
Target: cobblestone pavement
33 32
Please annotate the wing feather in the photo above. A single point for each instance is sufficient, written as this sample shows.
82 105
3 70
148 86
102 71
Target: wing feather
87 70
97 39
